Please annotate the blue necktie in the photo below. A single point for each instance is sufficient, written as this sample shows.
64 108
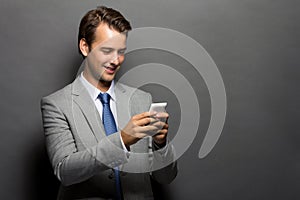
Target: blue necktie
110 128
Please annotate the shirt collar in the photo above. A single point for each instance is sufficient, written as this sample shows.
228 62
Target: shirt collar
94 92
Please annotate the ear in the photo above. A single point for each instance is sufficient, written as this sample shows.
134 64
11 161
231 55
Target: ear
84 47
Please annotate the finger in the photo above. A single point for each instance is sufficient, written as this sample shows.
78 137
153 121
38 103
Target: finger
145 121
167 120
160 136
163 132
144 115
136 133
160 124
162 115
141 135
148 129
166 126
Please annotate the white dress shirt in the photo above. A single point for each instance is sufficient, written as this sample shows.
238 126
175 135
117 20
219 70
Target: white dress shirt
94 92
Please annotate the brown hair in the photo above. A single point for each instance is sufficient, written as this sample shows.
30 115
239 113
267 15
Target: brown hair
92 19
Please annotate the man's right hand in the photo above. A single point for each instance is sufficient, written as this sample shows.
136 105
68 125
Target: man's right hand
138 127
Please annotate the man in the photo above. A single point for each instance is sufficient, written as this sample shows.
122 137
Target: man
101 140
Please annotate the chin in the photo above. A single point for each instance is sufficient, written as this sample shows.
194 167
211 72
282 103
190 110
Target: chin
108 78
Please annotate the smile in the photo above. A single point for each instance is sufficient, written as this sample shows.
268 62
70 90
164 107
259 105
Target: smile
110 69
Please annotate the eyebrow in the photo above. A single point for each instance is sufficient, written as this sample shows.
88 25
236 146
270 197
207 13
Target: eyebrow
109 48
106 48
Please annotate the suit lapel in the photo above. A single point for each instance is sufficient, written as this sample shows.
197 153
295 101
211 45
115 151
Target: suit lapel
123 105
85 103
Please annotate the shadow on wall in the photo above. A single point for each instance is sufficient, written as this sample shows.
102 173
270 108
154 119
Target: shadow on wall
160 192
44 183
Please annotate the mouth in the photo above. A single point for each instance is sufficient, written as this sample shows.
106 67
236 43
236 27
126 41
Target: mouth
110 69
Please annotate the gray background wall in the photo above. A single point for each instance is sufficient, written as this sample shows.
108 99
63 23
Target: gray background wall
255 44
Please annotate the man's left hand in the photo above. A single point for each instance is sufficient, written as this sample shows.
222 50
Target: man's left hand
161 137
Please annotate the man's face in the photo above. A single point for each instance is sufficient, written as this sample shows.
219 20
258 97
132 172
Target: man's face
106 54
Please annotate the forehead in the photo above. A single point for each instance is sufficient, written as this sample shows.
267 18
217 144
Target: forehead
104 35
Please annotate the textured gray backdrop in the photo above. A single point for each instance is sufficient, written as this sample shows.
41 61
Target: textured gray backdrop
255 44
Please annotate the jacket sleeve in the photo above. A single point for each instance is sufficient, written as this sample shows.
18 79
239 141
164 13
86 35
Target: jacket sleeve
70 165
164 163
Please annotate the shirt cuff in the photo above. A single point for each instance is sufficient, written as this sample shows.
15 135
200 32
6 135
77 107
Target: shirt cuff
162 149
124 147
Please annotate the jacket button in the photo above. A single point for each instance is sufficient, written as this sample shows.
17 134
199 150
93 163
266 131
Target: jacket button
111 176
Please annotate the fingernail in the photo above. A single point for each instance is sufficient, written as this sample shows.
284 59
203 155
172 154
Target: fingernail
153 113
159 115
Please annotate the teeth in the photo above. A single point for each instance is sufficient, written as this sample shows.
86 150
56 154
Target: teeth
106 65
111 68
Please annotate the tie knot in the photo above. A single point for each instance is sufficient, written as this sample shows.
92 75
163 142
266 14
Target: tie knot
104 98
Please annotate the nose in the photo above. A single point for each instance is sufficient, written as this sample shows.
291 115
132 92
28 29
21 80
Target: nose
116 60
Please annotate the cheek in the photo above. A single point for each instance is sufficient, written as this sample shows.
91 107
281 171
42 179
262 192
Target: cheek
121 58
100 59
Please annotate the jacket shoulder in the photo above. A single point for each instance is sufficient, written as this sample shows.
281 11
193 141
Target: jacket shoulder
134 91
59 95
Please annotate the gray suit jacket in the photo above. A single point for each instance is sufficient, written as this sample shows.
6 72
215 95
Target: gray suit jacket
82 155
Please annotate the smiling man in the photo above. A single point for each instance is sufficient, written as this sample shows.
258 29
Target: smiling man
101 140
108 48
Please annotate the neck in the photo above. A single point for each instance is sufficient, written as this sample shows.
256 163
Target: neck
101 85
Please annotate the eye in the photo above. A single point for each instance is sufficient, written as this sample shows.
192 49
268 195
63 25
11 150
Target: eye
122 51
106 50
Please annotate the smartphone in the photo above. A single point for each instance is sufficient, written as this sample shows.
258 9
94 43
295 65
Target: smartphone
158 107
